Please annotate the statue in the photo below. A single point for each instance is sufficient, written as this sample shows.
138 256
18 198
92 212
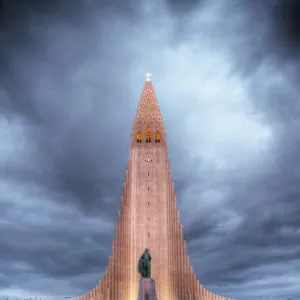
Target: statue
144 265
147 290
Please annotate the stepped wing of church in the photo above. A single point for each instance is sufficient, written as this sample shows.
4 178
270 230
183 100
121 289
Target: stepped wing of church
149 218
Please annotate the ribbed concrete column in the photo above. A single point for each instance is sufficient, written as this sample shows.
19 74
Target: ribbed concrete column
180 269
117 252
172 241
110 278
121 268
172 237
194 284
185 272
126 255
179 260
114 287
112 271
176 252
106 285
182 258
191 279
119 276
98 292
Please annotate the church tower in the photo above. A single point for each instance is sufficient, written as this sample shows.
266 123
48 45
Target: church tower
149 218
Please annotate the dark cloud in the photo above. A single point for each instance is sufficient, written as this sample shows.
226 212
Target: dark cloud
286 19
226 79
269 34
182 7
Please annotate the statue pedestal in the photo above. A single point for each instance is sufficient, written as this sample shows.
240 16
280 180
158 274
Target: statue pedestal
147 289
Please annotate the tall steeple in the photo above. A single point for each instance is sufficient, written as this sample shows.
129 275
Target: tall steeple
148 118
149 218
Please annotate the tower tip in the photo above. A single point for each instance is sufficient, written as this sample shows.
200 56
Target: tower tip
148 76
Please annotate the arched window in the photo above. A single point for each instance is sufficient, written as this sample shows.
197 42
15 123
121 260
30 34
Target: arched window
148 135
139 137
157 137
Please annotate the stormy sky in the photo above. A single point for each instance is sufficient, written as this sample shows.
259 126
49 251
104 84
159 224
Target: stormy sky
226 74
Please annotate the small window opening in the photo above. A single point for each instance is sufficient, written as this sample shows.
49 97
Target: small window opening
157 137
148 135
139 137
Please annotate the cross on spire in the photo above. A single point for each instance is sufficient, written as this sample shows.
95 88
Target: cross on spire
148 76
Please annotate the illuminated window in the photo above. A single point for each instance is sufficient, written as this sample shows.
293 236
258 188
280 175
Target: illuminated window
139 137
157 137
148 135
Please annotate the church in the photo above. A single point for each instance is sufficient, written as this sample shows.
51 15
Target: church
149 218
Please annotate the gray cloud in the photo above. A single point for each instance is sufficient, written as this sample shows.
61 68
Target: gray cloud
226 79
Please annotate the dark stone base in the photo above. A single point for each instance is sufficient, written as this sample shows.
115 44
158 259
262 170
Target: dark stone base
147 289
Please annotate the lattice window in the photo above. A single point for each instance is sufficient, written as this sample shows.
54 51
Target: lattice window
139 137
157 137
148 135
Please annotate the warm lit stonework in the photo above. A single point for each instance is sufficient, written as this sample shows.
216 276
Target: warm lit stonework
149 218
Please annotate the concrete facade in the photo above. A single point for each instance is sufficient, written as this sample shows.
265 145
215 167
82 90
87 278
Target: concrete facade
149 218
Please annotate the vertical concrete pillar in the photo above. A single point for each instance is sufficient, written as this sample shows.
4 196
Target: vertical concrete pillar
113 268
117 251
195 284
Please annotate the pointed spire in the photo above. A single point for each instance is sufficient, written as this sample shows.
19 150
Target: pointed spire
148 127
148 109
